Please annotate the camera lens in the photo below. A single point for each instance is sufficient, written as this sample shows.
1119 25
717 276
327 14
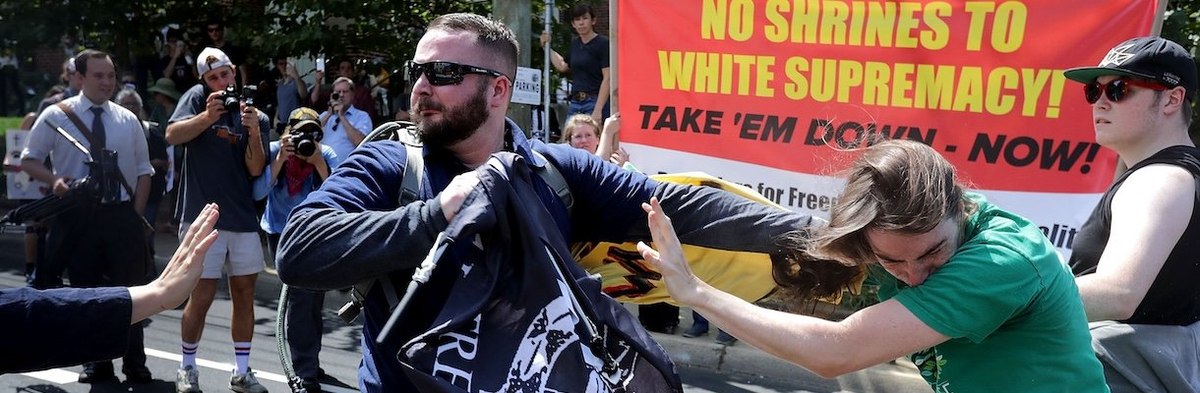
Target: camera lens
306 147
335 96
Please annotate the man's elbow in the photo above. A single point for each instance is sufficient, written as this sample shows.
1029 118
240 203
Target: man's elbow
1123 308
173 135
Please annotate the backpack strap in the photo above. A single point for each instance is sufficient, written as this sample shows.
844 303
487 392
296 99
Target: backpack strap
87 132
410 188
91 141
555 180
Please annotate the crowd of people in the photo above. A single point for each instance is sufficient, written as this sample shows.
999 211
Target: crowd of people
974 294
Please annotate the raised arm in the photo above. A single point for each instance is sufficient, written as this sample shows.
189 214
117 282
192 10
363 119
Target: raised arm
556 59
184 130
871 336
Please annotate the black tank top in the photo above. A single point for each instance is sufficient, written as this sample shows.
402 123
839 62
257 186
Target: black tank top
1174 297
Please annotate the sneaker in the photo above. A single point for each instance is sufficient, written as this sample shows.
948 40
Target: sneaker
187 380
696 330
246 383
98 372
724 338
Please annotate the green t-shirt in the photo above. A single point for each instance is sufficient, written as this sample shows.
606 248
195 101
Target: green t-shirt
1011 309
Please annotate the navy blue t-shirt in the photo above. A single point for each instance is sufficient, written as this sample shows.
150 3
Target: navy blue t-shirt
214 166
586 61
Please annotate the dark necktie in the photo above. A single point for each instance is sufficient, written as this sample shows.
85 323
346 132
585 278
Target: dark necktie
98 126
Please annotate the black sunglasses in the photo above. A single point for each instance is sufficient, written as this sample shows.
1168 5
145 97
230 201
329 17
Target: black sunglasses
441 73
1116 89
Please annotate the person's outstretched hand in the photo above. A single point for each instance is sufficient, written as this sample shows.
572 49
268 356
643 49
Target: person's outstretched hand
177 280
682 284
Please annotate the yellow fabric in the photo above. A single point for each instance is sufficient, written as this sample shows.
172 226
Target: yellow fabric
625 276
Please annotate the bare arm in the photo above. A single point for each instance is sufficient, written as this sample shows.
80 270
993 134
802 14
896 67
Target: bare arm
871 336
555 59
301 88
1149 214
141 193
316 89
184 131
609 148
175 283
601 97
356 136
256 157
38 171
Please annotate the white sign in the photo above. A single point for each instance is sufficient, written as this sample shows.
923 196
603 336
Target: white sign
20 185
527 89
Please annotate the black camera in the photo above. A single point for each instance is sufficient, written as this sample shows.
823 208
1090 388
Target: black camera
231 99
305 136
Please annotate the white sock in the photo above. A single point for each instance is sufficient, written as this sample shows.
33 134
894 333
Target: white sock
189 354
241 356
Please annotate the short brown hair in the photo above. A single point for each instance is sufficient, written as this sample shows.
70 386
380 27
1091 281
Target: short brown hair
81 59
491 35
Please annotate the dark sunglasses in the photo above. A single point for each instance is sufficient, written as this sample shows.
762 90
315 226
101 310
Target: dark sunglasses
441 73
1116 89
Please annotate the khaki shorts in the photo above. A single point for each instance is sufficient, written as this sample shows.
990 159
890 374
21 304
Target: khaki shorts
234 253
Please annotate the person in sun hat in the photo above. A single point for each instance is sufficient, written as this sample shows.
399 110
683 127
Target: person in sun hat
287 180
1134 265
165 96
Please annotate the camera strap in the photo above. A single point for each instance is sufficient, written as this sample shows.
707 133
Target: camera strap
91 139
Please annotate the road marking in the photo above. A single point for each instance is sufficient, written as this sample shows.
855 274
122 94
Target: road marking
228 366
54 375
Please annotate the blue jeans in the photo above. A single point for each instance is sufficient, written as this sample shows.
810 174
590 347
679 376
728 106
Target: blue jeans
586 107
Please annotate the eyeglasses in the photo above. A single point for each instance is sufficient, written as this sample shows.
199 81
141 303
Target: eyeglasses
1116 89
441 73
212 29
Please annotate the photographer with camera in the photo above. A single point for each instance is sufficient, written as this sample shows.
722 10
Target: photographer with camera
100 240
300 163
224 141
345 125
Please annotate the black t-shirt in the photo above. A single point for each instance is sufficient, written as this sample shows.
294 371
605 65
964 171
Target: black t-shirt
181 74
1172 298
586 61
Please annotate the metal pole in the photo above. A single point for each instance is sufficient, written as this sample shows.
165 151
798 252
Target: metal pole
613 37
546 74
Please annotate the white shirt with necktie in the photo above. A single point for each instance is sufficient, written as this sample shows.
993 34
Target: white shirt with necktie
123 134
335 132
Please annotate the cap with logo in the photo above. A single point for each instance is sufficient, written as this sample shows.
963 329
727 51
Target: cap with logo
210 59
1153 58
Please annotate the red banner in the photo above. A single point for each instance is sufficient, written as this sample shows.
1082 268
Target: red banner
792 84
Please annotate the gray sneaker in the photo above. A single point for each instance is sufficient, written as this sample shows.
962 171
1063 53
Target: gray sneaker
246 383
187 380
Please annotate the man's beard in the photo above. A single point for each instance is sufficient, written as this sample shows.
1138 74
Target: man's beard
457 123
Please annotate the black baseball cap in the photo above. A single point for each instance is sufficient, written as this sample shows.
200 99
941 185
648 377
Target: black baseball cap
1154 58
